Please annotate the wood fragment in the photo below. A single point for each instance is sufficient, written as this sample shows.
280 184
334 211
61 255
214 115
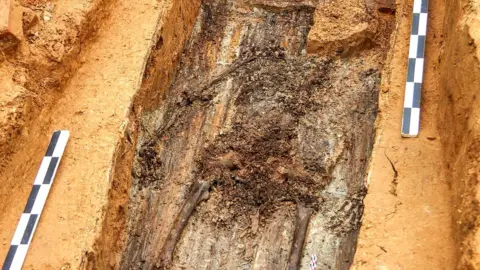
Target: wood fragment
198 193
301 225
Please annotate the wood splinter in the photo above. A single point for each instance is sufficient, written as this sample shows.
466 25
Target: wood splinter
301 225
199 192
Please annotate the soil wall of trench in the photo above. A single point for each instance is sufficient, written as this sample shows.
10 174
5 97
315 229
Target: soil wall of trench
460 123
245 140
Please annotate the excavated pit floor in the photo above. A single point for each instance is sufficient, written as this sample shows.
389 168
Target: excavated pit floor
272 131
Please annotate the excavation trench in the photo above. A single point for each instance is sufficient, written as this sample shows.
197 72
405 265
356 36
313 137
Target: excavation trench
247 143
251 153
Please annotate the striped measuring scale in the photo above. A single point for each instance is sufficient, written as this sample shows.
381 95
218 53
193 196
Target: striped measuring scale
416 59
36 201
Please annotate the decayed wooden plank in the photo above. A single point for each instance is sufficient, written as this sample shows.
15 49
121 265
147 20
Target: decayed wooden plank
198 192
301 225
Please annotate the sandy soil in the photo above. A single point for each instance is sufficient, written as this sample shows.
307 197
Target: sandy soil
407 221
51 35
339 27
460 124
92 105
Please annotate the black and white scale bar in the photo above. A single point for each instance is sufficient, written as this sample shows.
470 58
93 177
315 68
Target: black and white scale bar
416 56
38 196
